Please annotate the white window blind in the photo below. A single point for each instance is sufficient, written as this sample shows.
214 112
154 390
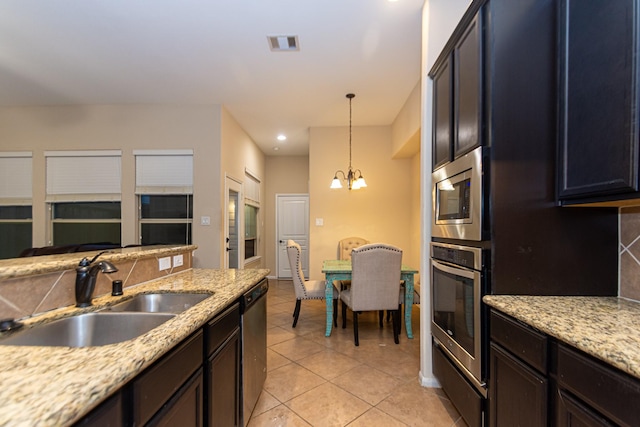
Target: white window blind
164 171
84 175
16 178
252 188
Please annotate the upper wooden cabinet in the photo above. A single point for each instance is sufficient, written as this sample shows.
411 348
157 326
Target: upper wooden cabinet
457 96
598 101
467 79
442 123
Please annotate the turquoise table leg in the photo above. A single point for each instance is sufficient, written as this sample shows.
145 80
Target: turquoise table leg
408 303
328 298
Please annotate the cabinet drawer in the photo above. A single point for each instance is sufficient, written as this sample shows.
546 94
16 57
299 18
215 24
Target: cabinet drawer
157 384
606 389
222 327
463 396
524 342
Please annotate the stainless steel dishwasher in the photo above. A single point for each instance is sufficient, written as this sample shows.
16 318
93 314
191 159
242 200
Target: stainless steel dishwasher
254 346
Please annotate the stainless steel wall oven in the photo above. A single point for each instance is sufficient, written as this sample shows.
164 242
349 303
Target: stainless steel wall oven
458 282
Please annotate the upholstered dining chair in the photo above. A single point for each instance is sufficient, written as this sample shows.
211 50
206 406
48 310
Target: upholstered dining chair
375 284
306 289
345 246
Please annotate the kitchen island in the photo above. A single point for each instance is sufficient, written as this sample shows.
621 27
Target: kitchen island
54 386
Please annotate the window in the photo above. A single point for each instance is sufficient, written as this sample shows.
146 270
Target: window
15 203
85 222
250 231
83 192
166 219
251 211
164 185
15 230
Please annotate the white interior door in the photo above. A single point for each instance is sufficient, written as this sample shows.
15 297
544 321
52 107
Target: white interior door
234 222
292 222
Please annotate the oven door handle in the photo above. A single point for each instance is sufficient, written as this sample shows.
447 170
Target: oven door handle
456 269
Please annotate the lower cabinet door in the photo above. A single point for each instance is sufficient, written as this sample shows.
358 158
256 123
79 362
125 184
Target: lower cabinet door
108 414
571 413
185 407
518 394
224 384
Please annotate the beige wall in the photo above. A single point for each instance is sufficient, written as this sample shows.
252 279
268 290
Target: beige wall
284 175
239 154
130 127
380 213
405 130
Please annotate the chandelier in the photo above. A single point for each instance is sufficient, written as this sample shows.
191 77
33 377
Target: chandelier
353 182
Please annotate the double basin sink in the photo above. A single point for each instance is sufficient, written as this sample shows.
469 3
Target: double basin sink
121 322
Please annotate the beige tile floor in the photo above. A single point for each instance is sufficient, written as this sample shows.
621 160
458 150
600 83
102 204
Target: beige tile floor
313 380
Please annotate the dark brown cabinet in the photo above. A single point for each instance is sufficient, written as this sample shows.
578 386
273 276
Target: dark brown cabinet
223 369
198 383
457 96
591 391
518 388
108 414
185 407
598 98
153 391
536 380
467 89
442 121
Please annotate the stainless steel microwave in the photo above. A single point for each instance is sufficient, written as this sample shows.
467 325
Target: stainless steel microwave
457 198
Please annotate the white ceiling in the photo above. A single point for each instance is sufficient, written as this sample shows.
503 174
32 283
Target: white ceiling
216 52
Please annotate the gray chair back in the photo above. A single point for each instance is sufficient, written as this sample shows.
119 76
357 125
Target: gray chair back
375 278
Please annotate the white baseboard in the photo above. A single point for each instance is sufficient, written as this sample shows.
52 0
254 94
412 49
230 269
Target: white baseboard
428 382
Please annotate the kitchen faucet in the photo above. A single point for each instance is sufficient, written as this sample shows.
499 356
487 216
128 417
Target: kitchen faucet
86 274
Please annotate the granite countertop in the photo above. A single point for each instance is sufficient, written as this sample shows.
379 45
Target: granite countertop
54 386
607 328
29 266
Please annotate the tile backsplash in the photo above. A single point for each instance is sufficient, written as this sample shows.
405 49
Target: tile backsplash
630 253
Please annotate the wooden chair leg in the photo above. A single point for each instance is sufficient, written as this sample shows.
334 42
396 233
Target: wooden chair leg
395 318
401 316
380 317
355 328
335 312
344 315
296 313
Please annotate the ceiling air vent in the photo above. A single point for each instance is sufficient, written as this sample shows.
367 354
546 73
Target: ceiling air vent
283 43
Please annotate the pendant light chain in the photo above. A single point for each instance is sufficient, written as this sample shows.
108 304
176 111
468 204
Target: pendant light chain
353 178
350 98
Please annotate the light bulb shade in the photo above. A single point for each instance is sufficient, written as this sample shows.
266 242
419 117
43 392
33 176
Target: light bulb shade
360 182
336 182
355 185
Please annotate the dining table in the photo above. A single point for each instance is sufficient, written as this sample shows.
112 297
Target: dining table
335 269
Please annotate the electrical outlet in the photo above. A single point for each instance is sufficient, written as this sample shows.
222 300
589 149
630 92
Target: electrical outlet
177 260
205 220
164 263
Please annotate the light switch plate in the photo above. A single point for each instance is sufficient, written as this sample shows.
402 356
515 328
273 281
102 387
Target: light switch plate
164 263
205 220
319 222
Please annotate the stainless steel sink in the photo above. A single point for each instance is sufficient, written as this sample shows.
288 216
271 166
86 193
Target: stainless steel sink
87 330
160 303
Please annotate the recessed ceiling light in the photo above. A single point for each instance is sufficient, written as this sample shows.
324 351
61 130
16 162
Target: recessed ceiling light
283 43
276 148
281 137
